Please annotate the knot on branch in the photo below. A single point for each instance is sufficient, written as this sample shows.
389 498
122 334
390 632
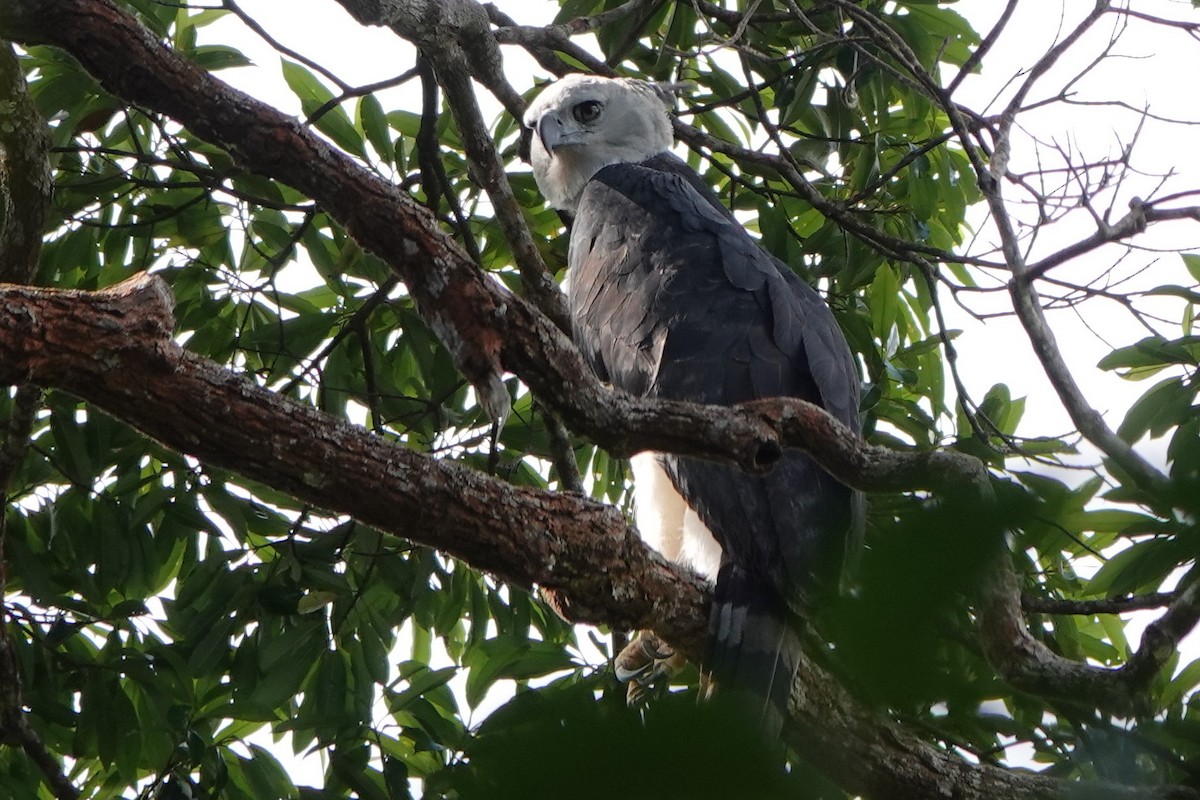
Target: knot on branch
439 28
144 302
40 329
1137 214
768 454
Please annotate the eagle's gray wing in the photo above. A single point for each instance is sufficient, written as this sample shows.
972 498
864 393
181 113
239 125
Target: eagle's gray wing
672 298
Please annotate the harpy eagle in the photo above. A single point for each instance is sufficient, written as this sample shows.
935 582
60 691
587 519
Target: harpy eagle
670 297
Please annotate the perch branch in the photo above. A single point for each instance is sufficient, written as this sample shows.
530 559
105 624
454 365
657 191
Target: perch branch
114 350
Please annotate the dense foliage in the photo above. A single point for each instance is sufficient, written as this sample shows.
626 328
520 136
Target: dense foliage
181 631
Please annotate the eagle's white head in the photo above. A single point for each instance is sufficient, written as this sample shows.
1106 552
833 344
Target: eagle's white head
581 123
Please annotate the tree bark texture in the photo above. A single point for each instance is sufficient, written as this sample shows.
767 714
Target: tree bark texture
113 349
24 173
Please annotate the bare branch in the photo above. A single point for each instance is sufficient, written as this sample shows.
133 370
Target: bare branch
251 23
1026 301
1131 224
1003 134
542 43
984 47
1191 28
1112 605
457 39
360 91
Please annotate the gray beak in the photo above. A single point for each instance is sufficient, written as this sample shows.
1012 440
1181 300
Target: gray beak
554 132
550 131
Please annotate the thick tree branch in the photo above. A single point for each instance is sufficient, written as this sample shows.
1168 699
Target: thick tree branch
114 350
485 328
14 723
15 729
1162 637
25 406
1027 663
862 751
121 359
25 182
456 300
25 191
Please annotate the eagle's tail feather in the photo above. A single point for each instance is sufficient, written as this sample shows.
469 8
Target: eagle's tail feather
753 647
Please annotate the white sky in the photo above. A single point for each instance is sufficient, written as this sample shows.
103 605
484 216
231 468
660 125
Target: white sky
1149 71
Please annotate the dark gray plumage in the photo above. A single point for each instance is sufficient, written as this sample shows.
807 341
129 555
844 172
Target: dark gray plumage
671 297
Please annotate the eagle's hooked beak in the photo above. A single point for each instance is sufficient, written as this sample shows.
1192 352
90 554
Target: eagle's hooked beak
554 132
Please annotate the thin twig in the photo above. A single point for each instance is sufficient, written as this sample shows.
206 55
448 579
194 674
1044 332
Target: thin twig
1087 608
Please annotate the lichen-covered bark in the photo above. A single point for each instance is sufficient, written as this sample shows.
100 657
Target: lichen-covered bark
113 349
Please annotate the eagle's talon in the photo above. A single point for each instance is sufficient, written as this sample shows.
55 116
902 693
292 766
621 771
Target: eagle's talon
625 675
644 663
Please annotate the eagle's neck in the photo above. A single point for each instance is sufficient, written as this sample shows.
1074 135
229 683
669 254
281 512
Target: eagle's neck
567 174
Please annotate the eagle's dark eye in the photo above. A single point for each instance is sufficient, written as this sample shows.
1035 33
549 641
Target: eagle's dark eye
587 111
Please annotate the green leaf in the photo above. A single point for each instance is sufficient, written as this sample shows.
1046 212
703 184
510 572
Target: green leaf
1182 684
511 657
570 9
421 680
315 601
314 97
265 775
125 729
1192 262
1166 405
1110 520
1141 566
1151 354
217 57
306 86
885 302
373 121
